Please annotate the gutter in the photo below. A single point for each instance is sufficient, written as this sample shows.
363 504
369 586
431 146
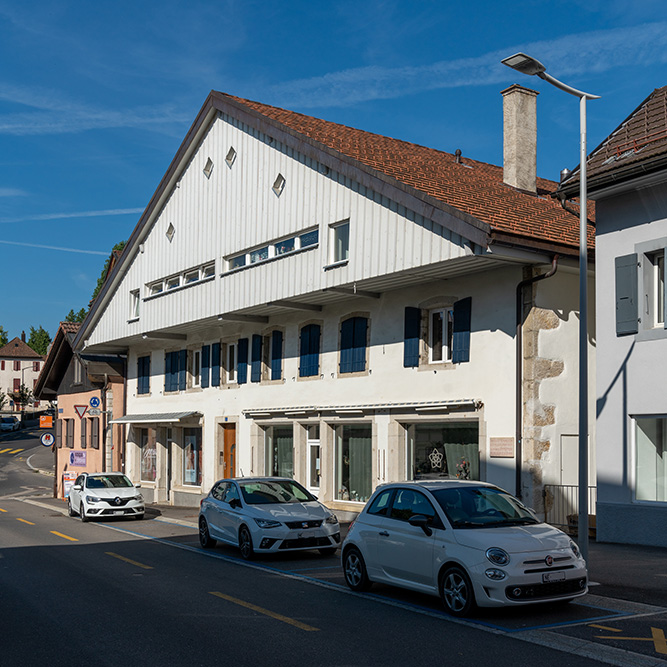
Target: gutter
519 370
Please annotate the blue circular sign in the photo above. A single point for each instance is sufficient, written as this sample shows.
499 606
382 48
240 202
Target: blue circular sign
94 402
47 439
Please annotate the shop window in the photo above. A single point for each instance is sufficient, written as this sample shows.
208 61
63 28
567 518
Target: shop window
148 449
309 350
353 338
443 450
144 375
651 459
354 447
192 459
279 447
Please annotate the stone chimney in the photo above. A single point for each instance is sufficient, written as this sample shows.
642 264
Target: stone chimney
520 137
23 336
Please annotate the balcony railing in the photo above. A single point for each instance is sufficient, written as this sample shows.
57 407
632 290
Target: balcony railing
561 506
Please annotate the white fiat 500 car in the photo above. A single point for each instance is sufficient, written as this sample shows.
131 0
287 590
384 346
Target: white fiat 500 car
105 494
266 515
469 542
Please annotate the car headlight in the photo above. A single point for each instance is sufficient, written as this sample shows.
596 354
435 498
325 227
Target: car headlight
138 497
575 549
332 518
267 523
93 499
497 556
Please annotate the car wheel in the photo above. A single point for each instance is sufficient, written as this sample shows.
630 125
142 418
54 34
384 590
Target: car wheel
82 513
457 592
205 539
70 509
328 551
245 544
354 569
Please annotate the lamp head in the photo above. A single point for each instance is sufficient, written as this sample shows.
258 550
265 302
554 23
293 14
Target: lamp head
524 64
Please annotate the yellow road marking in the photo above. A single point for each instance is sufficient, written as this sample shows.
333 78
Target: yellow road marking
16 451
657 637
1 510
266 612
604 627
2 451
67 537
28 522
128 560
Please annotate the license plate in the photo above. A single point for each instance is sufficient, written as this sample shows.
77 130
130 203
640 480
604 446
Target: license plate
118 512
550 577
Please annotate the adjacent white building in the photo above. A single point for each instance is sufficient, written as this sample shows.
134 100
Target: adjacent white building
305 299
19 365
628 181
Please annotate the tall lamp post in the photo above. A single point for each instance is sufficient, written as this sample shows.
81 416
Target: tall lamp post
528 65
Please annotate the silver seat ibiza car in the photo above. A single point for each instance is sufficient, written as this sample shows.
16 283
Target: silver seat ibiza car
471 543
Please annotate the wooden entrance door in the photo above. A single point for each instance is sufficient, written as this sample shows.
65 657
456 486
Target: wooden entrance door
228 450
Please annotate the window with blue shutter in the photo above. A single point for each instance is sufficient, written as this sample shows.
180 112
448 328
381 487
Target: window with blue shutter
242 364
411 336
461 331
256 359
627 311
167 371
205 365
353 333
143 375
182 369
276 355
215 365
309 351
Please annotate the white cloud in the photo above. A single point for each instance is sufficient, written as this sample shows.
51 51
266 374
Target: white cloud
53 247
12 192
78 214
596 51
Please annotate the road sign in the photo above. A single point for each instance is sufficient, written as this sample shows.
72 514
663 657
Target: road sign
47 439
94 402
94 412
80 410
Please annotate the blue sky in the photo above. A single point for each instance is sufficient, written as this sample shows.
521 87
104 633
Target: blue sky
95 99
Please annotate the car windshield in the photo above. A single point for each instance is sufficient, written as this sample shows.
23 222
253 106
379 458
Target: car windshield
7 420
482 507
107 482
269 492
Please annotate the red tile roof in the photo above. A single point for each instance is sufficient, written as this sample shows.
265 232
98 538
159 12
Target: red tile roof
474 187
70 327
17 349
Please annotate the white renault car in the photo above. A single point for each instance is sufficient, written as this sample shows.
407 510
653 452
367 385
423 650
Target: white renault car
105 494
266 515
471 543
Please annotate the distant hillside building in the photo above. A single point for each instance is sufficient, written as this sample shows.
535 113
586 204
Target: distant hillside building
19 364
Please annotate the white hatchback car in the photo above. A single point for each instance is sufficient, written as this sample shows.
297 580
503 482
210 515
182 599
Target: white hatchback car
469 542
9 424
105 494
266 515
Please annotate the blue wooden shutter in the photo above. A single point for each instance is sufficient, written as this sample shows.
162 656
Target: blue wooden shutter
461 331
346 345
256 359
147 375
215 365
309 353
359 344
182 369
242 365
167 371
627 312
205 364
276 355
411 333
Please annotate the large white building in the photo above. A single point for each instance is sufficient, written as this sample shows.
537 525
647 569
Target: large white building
302 298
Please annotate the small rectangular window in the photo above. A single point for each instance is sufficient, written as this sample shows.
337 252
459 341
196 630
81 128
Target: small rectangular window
285 246
259 255
236 262
340 241
208 271
440 335
191 277
134 303
156 288
309 238
173 282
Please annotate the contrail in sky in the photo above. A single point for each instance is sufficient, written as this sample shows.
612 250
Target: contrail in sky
80 214
53 247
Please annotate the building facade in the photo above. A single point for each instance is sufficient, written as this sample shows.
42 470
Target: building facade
308 300
19 365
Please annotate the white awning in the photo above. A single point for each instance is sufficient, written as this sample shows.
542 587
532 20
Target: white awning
154 418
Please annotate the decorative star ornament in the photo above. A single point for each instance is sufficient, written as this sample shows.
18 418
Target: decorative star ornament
435 457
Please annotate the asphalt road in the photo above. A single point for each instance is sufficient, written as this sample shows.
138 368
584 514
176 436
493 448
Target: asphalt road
144 593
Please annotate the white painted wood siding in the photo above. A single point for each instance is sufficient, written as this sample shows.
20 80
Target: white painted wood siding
235 209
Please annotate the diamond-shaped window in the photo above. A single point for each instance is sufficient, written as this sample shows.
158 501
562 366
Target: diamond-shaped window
171 230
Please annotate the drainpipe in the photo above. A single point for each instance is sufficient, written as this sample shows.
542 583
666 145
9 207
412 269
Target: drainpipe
519 368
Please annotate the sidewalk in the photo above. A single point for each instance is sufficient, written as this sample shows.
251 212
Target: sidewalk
622 571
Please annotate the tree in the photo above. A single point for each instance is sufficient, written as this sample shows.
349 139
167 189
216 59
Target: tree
4 337
76 317
23 396
39 340
3 400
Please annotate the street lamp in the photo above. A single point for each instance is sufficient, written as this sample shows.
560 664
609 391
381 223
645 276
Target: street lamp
531 66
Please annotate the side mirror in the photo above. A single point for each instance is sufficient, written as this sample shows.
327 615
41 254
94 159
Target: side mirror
77 487
137 486
421 521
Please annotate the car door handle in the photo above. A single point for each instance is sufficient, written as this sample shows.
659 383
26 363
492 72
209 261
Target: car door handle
384 533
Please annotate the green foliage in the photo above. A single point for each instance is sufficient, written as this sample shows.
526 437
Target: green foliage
76 317
4 338
3 400
23 396
39 340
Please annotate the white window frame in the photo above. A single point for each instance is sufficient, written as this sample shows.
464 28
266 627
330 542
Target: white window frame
635 460
195 368
447 318
655 294
338 253
231 362
135 301
245 259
